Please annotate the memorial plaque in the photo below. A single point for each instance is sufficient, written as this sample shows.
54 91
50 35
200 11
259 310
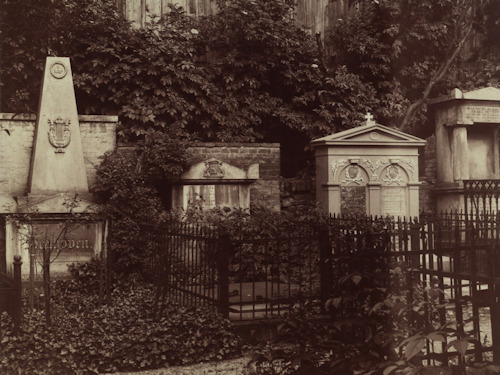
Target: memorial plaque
67 243
353 200
483 114
393 201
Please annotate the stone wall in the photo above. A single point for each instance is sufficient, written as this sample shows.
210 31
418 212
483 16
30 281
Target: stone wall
98 135
428 175
266 190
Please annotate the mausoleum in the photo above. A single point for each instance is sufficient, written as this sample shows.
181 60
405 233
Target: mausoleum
467 133
371 169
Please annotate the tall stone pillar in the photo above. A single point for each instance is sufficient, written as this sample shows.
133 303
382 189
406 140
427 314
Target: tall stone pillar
460 151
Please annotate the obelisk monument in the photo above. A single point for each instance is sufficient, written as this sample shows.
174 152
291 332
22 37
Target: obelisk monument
57 164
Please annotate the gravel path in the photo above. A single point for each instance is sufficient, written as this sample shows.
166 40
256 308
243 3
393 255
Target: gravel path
237 366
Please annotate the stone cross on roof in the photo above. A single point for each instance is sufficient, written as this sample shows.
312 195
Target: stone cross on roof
369 119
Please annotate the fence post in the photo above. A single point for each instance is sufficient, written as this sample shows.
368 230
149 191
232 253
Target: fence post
223 253
494 287
17 292
326 264
415 242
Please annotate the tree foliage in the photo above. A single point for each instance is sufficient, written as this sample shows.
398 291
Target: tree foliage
248 72
408 51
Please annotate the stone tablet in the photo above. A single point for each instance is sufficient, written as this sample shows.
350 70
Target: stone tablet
67 243
353 200
483 114
393 201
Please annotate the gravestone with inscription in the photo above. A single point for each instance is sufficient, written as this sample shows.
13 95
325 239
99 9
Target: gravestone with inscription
370 169
467 131
44 219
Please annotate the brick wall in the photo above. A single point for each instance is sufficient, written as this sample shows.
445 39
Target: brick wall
266 190
98 135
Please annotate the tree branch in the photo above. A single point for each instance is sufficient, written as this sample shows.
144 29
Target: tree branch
436 77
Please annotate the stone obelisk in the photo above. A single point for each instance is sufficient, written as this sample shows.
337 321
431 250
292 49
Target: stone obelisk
57 164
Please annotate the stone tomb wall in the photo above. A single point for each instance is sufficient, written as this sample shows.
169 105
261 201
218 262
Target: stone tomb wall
98 135
266 190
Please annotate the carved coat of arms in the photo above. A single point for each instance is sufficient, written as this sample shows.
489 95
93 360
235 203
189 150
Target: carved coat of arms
213 169
59 134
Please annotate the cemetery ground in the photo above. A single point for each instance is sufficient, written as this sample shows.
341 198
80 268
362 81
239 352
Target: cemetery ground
380 315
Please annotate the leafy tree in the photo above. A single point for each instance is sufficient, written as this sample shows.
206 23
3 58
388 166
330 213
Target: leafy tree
148 76
407 51
32 30
246 73
271 75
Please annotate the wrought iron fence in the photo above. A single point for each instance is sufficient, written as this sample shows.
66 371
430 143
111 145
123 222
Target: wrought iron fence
255 278
242 278
443 252
481 196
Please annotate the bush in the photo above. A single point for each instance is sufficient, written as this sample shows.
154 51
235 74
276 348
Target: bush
125 336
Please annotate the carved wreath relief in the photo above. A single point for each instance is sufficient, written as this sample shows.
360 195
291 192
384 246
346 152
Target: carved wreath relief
59 134
58 70
393 175
353 174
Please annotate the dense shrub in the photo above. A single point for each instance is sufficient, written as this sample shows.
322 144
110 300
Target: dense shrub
124 336
132 184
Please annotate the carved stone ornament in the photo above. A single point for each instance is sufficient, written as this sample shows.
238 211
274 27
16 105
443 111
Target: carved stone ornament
213 169
59 134
410 165
58 70
336 165
353 174
393 175
375 167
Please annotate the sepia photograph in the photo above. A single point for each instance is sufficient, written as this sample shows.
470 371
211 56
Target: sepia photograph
249 187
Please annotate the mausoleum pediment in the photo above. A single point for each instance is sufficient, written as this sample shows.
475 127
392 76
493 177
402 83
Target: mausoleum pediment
371 135
213 170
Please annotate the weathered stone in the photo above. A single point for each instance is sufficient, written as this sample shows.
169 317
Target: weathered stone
357 171
57 159
57 185
467 131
